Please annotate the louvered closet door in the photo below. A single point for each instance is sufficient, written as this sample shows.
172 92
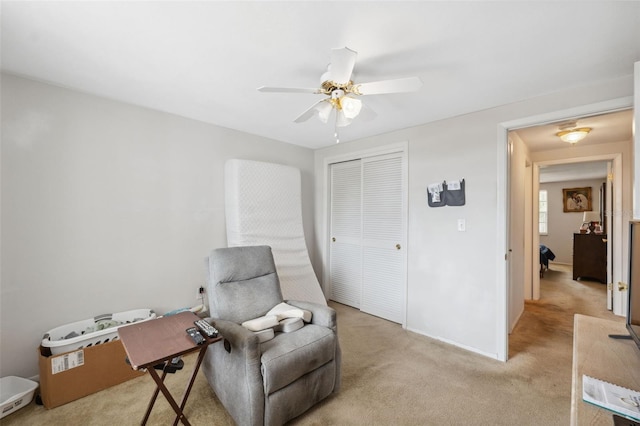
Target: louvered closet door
367 231
346 236
383 235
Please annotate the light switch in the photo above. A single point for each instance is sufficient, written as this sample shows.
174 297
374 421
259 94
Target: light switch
462 225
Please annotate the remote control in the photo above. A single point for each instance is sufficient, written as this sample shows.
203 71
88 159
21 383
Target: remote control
206 328
195 336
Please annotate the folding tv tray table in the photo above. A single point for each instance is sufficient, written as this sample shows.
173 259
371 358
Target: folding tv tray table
158 341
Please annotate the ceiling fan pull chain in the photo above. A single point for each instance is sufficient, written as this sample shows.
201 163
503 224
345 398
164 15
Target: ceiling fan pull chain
335 135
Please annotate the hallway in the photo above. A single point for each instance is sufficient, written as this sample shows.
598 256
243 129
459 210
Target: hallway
549 321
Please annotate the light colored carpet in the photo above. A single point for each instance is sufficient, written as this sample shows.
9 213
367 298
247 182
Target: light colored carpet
393 376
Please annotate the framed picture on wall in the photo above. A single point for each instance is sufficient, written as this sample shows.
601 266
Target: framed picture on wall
576 199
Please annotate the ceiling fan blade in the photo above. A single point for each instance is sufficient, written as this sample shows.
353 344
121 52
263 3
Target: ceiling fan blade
288 89
341 66
322 108
409 84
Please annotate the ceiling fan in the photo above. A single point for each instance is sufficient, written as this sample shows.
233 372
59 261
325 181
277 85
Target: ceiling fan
342 92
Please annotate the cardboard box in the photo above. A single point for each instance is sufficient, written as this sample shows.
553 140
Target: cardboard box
72 375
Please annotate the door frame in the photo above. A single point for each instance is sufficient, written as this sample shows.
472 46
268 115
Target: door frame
503 234
394 148
614 268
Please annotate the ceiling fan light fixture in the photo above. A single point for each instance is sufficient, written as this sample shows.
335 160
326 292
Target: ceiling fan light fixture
573 136
341 119
350 107
324 110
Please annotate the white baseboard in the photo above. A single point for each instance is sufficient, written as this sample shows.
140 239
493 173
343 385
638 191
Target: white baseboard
468 348
513 325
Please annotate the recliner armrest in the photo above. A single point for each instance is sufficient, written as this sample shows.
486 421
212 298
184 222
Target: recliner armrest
238 337
234 372
322 315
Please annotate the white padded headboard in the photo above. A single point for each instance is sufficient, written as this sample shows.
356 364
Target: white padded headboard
264 207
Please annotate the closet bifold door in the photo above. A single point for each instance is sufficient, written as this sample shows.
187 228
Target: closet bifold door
346 233
383 234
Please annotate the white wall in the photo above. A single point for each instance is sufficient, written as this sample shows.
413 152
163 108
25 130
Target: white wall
108 207
562 225
454 291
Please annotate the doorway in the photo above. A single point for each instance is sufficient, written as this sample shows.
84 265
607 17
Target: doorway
595 161
514 308
588 256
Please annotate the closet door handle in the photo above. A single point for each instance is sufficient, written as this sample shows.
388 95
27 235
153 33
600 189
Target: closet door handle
333 239
398 247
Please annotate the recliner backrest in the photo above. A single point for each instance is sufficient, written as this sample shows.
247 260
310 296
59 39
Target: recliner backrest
243 283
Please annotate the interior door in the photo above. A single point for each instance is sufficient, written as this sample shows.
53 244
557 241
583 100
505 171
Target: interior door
623 293
383 230
608 221
621 274
636 145
345 259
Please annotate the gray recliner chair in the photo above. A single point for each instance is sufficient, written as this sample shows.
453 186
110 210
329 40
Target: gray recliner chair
272 382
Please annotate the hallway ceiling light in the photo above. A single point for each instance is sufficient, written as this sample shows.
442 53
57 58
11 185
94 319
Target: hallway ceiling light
571 134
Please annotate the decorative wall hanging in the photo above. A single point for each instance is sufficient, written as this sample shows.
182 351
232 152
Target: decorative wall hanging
450 193
576 200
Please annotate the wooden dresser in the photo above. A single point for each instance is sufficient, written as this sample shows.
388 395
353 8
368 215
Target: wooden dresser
590 256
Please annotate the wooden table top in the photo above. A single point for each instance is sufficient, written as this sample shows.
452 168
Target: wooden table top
150 342
597 355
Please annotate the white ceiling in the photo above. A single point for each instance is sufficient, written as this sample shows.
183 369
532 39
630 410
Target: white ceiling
606 128
204 60
573 171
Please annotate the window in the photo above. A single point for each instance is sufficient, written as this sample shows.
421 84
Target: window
542 212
